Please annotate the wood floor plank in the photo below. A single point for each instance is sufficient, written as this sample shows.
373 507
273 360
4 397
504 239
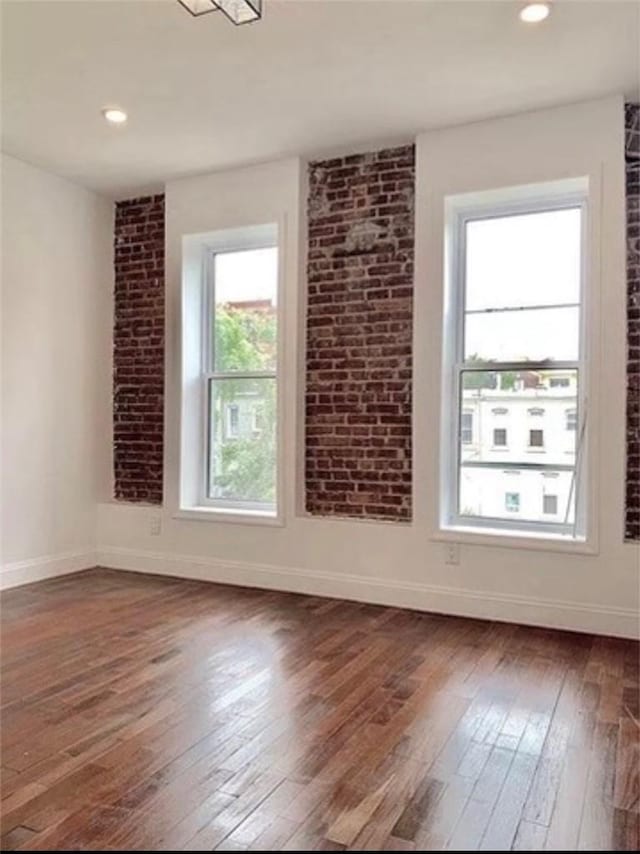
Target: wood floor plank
147 713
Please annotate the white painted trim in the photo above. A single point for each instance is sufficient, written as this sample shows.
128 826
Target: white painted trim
47 566
572 616
229 515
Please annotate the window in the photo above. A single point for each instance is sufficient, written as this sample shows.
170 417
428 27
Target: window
536 438
240 359
512 338
233 420
512 502
466 427
572 419
499 438
257 418
550 505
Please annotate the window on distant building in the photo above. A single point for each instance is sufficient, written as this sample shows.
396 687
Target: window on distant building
550 505
233 420
466 427
512 337
499 437
572 419
512 502
257 418
536 438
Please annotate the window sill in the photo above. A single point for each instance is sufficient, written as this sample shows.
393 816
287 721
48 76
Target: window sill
526 540
229 516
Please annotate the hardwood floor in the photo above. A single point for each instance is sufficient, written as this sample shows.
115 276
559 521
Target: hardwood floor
148 713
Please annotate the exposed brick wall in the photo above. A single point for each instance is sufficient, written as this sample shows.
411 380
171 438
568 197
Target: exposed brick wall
632 150
138 349
359 322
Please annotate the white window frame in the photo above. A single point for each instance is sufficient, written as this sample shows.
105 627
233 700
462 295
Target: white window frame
460 211
199 251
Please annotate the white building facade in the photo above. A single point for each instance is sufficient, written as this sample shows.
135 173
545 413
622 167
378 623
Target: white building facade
518 448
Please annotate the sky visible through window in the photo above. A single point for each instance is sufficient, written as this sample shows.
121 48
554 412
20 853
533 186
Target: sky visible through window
505 268
247 275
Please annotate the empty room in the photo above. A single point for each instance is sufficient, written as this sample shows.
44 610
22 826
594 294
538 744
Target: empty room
320 425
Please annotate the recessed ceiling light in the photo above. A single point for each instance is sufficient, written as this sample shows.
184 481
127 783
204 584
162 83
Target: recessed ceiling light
114 115
533 13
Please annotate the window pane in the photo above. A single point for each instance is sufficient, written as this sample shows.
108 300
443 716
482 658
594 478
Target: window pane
245 319
499 437
242 441
522 336
524 260
495 493
466 427
505 408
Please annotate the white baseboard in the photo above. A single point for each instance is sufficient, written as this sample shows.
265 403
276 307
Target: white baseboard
47 566
573 616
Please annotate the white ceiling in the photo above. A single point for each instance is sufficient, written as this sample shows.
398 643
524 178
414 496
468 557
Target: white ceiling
312 76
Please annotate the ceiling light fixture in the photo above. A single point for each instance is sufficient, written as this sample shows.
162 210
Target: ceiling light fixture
238 11
114 115
533 13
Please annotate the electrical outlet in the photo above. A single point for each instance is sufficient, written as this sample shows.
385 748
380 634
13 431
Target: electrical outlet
452 554
155 526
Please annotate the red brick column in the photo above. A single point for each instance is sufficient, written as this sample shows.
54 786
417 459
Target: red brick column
138 350
359 332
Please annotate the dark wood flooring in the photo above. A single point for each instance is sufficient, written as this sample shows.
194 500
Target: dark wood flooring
151 713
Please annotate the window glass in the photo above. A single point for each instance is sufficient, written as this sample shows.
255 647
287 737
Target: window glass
466 427
536 438
520 304
499 437
242 464
241 405
524 336
529 259
245 310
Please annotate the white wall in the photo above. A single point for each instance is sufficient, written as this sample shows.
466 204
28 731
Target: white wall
404 564
56 371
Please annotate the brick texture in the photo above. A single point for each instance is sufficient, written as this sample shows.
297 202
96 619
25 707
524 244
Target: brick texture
138 349
359 327
632 152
